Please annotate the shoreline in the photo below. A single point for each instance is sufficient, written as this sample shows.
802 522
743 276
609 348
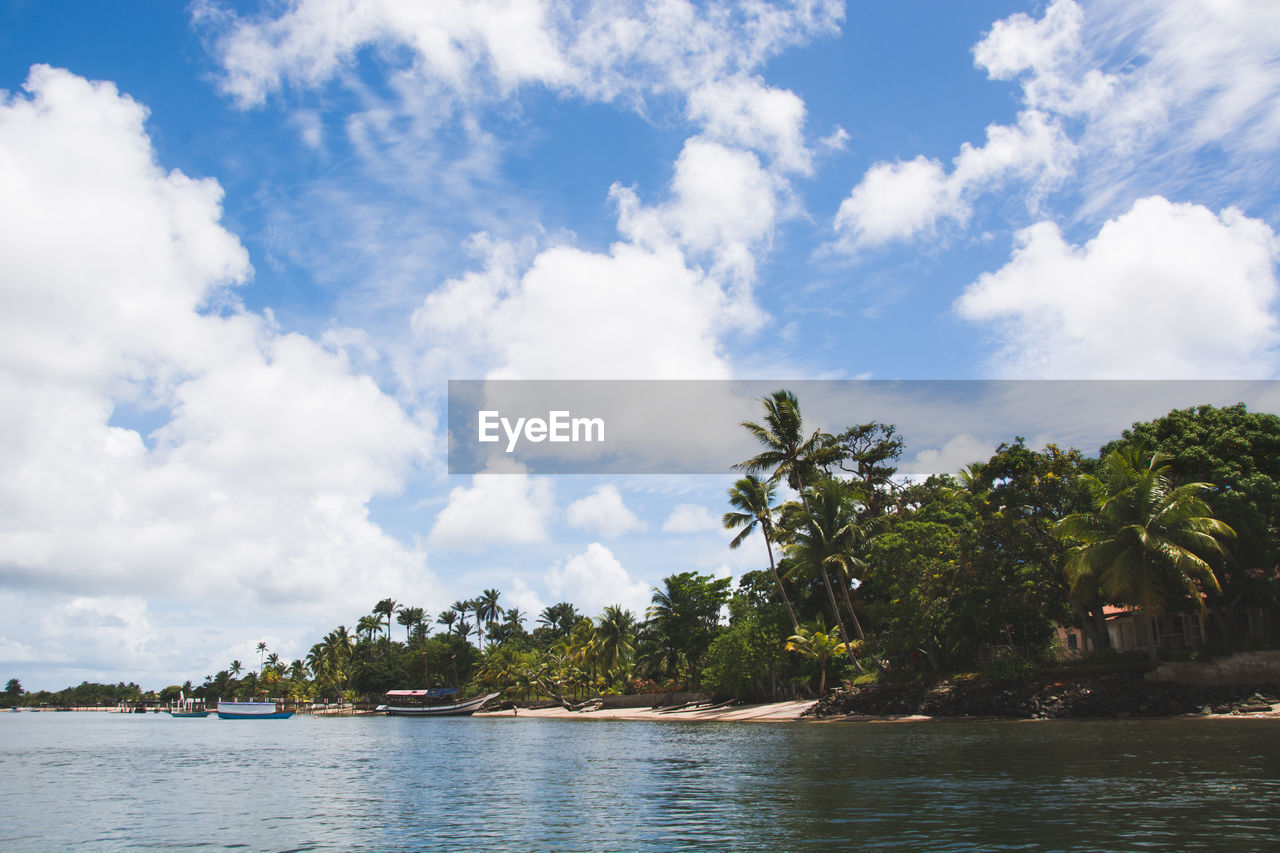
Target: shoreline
794 712
770 712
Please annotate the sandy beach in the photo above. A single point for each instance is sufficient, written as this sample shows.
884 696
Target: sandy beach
770 712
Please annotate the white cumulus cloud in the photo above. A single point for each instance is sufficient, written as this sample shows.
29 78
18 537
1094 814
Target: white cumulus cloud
595 579
604 513
509 508
1167 290
119 307
691 518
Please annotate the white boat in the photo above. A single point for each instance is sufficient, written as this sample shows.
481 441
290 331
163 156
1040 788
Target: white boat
251 711
425 703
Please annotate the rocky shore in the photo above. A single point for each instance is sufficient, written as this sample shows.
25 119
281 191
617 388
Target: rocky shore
1116 695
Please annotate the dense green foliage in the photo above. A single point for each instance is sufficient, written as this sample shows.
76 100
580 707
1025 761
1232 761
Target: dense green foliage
970 572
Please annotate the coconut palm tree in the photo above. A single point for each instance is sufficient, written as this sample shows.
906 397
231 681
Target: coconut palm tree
615 638
753 498
262 650
821 536
1146 541
790 455
236 668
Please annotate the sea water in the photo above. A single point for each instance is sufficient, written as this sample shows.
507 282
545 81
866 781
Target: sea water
100 781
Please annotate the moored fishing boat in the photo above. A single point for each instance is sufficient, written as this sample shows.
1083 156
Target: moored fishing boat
188 707
431 703
251 711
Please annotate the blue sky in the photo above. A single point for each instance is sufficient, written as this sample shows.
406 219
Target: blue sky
248 244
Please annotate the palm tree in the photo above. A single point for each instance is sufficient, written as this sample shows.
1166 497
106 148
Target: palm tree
1146 540
794 457
273 661
262 649
821 537
487 608
315 660
236 668
560 617
754 497
447 618
817 643
789 454
615 637
410 617
385 608
368 626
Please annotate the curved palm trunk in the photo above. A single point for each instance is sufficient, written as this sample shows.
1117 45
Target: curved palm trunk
795 625
848 601
835 609
826 581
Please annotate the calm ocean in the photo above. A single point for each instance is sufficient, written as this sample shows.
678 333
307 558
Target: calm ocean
100 781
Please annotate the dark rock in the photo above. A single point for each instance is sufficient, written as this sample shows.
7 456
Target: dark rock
1116 695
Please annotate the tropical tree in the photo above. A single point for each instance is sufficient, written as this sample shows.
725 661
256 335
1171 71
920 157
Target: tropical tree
791 455
262 650
1146 542
486 607
368 626
409 618
236 668
1239 452
462 607
510 628
615 638
683 620
869 452
753 498
447 618
818 644
559 618
385 608
822 535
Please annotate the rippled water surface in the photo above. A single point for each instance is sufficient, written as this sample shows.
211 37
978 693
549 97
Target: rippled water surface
102 781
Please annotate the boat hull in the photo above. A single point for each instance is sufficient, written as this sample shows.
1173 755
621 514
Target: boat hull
251 711
200 714
460 709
